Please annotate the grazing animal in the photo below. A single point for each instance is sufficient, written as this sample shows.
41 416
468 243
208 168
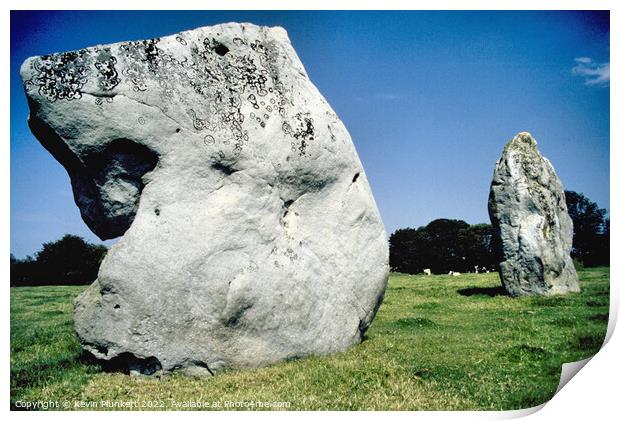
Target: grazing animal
427 272
452 273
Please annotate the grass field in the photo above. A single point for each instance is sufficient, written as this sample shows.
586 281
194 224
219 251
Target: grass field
437 343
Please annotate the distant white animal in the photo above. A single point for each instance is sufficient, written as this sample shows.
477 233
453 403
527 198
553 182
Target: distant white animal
427 272
476 269
452 273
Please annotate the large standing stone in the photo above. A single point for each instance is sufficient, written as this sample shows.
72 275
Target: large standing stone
249 231
528 208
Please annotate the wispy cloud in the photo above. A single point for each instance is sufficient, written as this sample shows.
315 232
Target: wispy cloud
594 73
583 60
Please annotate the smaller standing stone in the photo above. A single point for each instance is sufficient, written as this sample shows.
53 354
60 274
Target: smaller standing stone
528 209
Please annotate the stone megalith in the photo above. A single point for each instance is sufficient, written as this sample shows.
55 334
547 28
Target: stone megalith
528 209
249 231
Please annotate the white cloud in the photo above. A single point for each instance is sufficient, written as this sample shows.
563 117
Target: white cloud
595 74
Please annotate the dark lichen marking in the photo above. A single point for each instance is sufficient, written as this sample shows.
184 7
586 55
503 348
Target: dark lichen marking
61 76
224 76
239 42
107 76
144 59
303 133
199 123
290 253
252 99
100 100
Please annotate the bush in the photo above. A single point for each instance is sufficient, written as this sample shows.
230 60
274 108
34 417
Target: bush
590 230
68 261
444 245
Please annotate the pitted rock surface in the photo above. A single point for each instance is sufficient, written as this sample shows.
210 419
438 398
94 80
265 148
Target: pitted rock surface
249 231
528 209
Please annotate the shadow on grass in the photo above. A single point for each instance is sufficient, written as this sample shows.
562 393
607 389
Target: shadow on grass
524 352
591 342
488 291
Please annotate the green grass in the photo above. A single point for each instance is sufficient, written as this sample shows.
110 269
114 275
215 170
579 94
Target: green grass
437 343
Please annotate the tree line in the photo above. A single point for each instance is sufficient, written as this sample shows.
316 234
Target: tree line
442 245
68 261
453 245
590 230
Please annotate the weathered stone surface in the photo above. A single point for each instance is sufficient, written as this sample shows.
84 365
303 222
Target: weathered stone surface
249 231
528 208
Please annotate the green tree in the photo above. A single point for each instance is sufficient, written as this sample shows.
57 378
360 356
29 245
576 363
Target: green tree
22 270
590 230
450 240
444 245
408 250
67 261
485 248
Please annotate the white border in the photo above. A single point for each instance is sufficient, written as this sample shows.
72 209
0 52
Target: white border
592 394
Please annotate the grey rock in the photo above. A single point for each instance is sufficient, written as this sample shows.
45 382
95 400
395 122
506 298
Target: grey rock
249 231
528 209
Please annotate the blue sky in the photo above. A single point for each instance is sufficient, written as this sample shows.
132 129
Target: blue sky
430 98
